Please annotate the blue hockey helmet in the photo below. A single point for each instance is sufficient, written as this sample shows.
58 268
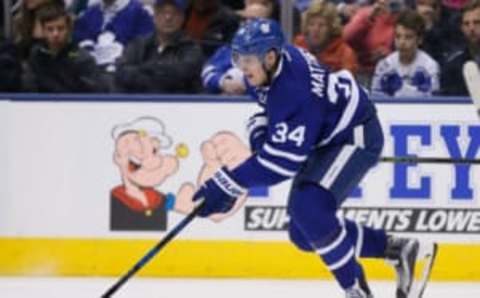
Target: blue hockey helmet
258 36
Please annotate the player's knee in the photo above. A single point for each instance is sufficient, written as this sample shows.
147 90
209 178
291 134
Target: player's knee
313 209
298 239
309 201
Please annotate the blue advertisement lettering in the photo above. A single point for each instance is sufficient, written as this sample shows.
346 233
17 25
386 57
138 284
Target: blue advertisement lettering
401 135
450 134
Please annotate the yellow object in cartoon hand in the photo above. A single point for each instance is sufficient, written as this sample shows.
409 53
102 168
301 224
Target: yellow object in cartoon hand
182 150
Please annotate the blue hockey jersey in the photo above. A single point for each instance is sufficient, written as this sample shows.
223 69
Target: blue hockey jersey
306 106
127 22
215 68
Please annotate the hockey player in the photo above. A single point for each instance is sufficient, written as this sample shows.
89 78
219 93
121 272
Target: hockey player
320 129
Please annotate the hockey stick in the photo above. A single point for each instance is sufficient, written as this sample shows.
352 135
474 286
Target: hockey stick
152 252
439 160
471 74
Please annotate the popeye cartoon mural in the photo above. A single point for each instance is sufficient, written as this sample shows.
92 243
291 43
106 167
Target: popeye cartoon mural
140 155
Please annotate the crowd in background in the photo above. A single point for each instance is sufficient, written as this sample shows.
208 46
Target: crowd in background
394 47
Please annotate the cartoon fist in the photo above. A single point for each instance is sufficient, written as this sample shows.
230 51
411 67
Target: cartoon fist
223 149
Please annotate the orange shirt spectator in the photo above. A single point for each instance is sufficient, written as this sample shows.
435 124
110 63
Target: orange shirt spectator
322 36
337 55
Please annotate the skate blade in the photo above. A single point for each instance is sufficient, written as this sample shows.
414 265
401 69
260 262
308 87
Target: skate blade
425 260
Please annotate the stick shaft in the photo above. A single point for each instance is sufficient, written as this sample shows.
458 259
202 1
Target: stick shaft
435 160
152 252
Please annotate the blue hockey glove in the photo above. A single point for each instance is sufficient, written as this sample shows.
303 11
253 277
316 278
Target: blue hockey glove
219 193
257 130
422 81
391 83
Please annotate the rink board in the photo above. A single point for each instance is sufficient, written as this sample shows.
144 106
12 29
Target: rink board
59 172
193 258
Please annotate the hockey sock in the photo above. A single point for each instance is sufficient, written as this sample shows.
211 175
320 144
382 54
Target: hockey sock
369 243
313 211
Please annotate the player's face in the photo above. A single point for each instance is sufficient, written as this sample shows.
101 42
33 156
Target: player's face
56 33
252 67
317 31
471 26
406 42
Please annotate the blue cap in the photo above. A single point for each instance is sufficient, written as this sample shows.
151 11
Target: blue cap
180 4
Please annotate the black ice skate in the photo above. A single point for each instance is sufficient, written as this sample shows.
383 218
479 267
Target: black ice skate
404 253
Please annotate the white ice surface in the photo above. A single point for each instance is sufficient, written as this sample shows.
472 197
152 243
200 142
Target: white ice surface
208 288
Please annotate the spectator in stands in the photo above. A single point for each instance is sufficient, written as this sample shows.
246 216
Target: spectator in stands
443 34
165 62
218 74
322 36
10 67
56 64
106 28
273 7
370 32
233 4
78 6
348 8
434 42
409 71
451 20
2 21
211 23
258 8
452 80
303 5
27 28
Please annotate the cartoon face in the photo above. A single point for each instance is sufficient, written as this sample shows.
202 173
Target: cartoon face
140 160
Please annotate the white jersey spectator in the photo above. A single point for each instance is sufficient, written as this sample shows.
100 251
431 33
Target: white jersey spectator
409 71
106 28
419 78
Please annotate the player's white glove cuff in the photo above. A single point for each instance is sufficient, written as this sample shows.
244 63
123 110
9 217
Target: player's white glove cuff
227 184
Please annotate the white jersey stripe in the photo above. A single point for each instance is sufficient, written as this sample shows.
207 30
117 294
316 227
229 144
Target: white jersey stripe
275 168
337 166
208 77
358 136
255 122
342 261
287 155
334 244
207 69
